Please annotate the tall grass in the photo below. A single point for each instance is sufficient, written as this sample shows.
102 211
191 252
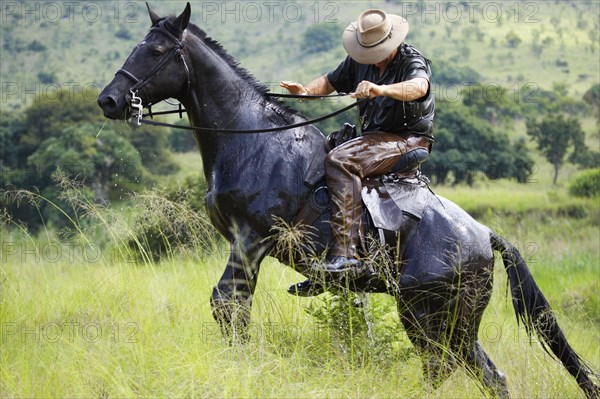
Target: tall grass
118 325
158 223
122 331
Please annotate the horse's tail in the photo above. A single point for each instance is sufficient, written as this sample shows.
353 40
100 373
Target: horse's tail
532 308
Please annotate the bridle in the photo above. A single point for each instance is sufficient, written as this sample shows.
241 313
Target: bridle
176 52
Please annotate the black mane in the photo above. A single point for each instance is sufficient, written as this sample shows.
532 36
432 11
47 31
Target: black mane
221 52
235 65
243 73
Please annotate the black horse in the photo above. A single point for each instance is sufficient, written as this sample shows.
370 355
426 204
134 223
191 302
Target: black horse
443 280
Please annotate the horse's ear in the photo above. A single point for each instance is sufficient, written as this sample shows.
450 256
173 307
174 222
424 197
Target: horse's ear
153 17
182 21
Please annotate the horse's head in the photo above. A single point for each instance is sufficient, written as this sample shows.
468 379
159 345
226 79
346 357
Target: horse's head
155 70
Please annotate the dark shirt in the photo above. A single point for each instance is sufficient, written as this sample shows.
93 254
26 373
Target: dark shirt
386 114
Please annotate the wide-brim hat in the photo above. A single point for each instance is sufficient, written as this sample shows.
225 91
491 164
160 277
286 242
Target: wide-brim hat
373 36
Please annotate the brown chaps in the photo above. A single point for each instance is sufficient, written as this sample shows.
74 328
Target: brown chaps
373 154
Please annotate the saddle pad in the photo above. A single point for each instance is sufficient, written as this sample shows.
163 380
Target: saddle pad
388 201
412 197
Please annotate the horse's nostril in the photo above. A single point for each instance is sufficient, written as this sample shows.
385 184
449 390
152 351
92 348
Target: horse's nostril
110 106
106 102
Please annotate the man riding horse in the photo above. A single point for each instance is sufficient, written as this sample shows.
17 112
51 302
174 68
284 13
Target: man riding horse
441 296
397 118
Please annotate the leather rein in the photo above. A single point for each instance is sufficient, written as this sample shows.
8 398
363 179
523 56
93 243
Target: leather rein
136 106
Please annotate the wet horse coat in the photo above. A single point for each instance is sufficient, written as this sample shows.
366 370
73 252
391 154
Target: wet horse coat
446 261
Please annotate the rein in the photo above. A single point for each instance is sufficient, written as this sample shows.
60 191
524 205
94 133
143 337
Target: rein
215 129
137 107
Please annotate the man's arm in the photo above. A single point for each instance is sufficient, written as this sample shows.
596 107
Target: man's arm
318 87
409 90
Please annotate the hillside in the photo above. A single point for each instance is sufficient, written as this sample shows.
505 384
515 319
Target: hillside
525 46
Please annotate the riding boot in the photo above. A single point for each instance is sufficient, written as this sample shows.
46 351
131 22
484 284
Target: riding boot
346 210
306 288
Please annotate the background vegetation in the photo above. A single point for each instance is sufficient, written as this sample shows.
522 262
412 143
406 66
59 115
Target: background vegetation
107 259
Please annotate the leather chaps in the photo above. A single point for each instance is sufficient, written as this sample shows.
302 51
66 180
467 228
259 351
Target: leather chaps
373 154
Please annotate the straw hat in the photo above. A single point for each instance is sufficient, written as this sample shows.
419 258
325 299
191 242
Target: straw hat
373 36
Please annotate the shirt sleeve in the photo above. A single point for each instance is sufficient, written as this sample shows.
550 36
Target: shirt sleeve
342 78
418 68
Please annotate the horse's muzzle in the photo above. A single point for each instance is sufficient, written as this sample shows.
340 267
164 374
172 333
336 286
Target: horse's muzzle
114 101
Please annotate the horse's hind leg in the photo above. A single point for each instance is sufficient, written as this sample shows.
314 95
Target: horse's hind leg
426 333
441 354
481 366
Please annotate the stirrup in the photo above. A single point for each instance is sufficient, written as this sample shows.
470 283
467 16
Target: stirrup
306 288
340 267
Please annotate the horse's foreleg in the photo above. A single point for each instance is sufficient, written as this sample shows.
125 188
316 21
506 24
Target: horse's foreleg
231 300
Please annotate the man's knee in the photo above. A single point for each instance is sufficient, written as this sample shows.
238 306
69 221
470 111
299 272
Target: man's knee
336 159
410 160
333 158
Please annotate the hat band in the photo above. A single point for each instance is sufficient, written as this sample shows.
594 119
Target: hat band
383 39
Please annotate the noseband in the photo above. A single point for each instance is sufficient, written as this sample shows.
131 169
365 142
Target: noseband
136 102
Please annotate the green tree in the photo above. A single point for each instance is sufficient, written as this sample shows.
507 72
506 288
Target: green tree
52 113
513 40
153 146
59 110
321 37
557 136
587 184
467 146
448 74
592 97
182 140
65 129
492 103
106 165
100 161
11 128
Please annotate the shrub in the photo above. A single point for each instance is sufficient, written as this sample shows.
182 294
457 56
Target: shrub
36 46
587 184
320 38
364 329
172 221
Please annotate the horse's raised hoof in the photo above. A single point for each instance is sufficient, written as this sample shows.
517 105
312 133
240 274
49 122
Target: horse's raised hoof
306 288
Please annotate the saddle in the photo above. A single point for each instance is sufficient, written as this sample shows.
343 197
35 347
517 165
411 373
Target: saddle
393 206
393 203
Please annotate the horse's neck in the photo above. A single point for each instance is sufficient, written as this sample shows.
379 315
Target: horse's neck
222 99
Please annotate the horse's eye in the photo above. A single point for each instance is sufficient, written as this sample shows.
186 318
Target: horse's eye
156 52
